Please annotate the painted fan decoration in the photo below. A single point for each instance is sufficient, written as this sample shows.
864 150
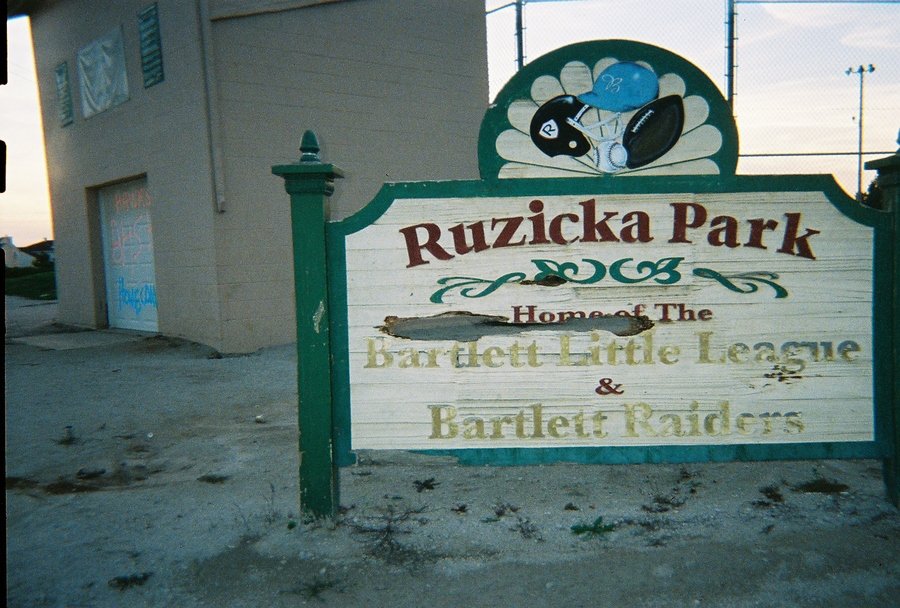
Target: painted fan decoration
618 118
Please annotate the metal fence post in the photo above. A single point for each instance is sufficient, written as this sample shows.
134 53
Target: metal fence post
309 182
888 181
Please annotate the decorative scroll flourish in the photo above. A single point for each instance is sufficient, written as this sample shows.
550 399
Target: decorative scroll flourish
665 266
567 271
468 286
551 274
749 281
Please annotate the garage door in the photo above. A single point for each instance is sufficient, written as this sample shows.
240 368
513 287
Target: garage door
127 235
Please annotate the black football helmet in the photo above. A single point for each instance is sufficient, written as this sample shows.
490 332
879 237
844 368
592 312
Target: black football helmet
552 132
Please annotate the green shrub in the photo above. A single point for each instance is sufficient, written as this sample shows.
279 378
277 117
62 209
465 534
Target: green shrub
598 528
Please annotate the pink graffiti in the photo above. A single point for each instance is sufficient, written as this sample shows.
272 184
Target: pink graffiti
131 239
138 198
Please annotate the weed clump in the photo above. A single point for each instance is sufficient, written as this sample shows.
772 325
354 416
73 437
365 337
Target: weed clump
597 528
381 535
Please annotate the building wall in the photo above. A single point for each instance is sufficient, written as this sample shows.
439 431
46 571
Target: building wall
14 257
159 132
395 90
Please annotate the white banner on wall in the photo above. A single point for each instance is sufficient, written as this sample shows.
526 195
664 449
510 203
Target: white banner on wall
103 81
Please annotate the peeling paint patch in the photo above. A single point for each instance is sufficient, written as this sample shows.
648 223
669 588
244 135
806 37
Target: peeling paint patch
465 326
783 374
317 318
551 280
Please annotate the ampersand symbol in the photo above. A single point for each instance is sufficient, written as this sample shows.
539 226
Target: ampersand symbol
606 387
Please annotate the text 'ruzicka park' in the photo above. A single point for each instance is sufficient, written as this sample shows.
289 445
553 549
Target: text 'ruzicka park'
586 222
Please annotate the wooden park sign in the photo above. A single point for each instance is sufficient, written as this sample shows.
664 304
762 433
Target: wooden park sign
609 291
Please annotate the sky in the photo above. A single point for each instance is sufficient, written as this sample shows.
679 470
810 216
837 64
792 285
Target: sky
25 206
792 92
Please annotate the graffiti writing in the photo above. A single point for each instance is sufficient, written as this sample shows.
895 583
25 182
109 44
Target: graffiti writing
136 298
137 198
130 239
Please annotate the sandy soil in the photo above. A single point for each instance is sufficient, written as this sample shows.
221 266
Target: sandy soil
147 471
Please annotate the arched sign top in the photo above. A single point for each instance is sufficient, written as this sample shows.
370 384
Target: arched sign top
608 108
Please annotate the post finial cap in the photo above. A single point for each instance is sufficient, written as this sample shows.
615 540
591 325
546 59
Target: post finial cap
309 148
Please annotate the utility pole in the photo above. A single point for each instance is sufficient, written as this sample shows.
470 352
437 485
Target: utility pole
520 28
859 166
520 34
730 59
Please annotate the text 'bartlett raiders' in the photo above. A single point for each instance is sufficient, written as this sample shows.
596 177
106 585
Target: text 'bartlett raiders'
586 222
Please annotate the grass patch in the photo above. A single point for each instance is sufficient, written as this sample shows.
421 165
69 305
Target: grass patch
314 590
773 497
527 529
598 528
34 286
820 485
131 580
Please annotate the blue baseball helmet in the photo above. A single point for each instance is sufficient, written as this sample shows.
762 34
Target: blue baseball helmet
622 87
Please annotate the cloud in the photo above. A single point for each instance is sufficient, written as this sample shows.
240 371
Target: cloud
810 16
881 36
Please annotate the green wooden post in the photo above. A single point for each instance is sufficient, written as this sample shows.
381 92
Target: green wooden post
889 183
309 182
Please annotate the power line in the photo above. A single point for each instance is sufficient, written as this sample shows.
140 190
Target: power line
815 1
767 154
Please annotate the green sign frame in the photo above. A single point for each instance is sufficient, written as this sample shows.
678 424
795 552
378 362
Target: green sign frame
701 161
883 280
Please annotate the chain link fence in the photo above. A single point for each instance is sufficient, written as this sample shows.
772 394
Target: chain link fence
797 108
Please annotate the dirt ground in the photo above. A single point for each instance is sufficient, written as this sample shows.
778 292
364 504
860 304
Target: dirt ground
147 471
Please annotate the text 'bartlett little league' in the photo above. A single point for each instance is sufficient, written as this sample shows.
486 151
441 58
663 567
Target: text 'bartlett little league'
597 348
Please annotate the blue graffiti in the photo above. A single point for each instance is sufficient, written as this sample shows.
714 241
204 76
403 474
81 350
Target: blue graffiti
136 298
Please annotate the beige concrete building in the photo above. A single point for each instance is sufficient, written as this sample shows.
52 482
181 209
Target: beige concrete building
162 121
